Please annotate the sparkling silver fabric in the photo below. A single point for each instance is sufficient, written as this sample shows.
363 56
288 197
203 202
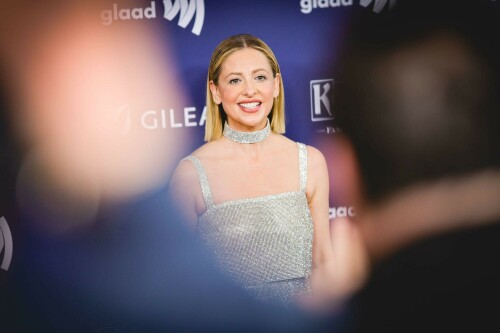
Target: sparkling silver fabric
265 243
246 137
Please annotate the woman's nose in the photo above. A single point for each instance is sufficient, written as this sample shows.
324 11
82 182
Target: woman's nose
249 89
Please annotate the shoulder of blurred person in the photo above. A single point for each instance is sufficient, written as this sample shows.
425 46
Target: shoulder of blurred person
442 283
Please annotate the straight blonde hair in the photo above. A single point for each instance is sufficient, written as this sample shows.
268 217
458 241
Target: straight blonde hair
215 113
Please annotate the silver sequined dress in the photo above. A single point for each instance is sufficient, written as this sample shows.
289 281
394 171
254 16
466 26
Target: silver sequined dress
265 243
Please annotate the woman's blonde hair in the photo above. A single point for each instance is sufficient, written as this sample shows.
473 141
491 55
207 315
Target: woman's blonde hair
215 113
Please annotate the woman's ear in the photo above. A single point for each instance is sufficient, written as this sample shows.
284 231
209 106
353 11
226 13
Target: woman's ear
215 92
277 81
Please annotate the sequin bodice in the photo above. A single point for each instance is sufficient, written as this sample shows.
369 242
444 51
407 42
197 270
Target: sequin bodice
265 243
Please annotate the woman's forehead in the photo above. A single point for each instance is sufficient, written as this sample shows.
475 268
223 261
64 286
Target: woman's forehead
246 59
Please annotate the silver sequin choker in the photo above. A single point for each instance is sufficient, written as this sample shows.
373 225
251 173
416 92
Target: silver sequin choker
246 137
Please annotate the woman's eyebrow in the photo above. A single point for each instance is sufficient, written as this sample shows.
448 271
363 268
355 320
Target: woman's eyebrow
241 74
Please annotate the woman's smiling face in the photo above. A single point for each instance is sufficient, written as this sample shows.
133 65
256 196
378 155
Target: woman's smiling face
246 88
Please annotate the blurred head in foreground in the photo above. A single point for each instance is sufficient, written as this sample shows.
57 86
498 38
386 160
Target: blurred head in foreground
77 88
418 99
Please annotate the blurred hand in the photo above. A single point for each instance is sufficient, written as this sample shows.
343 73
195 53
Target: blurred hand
344 274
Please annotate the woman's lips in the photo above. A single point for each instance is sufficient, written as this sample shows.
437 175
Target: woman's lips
250 106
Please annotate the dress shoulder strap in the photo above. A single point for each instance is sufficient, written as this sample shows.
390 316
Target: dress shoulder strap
302 166
202 177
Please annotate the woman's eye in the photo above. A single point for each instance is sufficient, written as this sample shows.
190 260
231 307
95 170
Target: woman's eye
234 81
261 78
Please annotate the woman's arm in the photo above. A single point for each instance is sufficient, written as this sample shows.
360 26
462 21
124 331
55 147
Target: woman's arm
339 260
323 267
185 192
317 195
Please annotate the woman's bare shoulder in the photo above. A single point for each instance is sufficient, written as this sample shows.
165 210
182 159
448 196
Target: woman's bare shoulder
284 143
282 139
314 154
186 170
207 150
184 173
316 163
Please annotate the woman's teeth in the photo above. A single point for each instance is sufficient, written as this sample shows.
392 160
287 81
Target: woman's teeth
252 105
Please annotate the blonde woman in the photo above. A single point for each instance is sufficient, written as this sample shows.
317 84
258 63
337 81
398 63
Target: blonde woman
258 199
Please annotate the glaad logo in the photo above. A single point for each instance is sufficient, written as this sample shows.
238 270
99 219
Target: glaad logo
379 4
187 10
321 100
115 14
306 6
5 244
342 212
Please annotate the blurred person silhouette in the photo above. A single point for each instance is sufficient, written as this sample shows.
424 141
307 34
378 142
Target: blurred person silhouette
417 98
100 248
